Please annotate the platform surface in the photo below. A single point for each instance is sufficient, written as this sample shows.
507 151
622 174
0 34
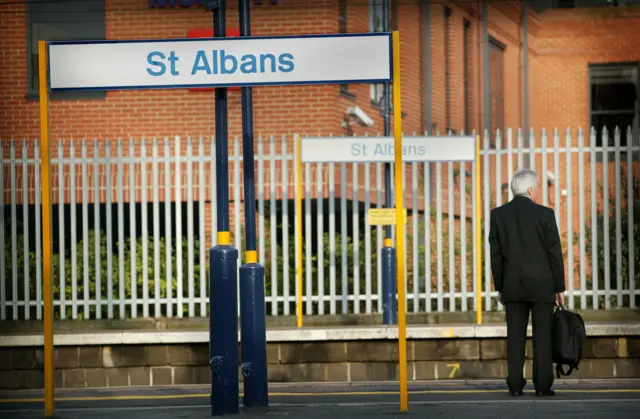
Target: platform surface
477 399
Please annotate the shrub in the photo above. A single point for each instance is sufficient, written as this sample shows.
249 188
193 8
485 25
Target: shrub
104 285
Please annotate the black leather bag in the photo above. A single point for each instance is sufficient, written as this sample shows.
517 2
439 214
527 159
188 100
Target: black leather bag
569 335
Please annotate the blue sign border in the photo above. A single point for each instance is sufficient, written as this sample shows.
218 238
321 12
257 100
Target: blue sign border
219 85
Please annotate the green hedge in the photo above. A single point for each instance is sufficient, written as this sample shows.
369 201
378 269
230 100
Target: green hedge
104 289
350 274
411 275
326 269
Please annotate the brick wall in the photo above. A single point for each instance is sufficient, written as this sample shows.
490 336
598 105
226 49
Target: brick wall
168 112
566 43
561 42
278 110
351 361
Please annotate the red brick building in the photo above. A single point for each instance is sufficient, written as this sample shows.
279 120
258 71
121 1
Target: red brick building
466 65
446 83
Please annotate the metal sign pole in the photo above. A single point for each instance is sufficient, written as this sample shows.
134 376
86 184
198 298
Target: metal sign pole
388 253
223 281
400 223
252 305
47 242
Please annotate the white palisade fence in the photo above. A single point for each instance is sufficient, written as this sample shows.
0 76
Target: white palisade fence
134 219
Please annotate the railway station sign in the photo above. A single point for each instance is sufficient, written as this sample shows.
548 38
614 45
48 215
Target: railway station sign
381 149
220 62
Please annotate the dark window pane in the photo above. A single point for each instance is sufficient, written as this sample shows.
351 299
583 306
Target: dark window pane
614 100
496 90
467 71
614 87
563 4
622 121
447 68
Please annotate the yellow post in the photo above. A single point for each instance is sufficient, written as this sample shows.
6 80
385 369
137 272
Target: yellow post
400 222
224 238
47 269
299 228
478 236
251 256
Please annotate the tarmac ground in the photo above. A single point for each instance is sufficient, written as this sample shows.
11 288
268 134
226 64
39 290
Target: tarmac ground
477 399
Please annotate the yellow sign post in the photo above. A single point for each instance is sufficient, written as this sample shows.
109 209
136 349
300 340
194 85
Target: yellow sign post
466 149
478 238
299 228
387 216
47 268
397 150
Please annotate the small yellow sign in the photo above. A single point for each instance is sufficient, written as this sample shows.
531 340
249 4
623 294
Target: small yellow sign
384 216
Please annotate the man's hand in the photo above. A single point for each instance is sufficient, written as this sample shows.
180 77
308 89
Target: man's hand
560 299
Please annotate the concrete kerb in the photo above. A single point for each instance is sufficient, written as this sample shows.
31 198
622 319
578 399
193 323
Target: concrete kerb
315 334
12 327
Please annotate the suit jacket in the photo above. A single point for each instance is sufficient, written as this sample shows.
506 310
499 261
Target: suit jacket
526 253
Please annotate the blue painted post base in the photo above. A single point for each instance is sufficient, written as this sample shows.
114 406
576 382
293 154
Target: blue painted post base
253 336
223 331
389 287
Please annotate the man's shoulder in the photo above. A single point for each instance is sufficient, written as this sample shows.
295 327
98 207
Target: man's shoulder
497 210
501 209
510 208
547 211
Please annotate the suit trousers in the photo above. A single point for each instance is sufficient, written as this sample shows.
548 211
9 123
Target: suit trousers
542 322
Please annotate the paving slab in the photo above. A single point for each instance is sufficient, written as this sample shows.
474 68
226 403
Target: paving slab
481 399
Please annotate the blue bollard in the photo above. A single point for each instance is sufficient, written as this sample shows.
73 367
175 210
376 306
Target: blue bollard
223 330
253 336
389 287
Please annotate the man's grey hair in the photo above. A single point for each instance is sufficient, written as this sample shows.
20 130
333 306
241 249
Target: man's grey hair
523 180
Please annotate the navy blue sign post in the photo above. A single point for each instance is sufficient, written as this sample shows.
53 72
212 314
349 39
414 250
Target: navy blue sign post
223 280
388 253
253 331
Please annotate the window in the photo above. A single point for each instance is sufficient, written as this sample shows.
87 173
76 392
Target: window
377 95
343 6
62 21
496 87
466 42
376 15
614 91
377 18
565 4
541 5
447 68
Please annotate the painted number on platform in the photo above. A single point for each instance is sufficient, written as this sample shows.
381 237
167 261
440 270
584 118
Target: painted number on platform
454 369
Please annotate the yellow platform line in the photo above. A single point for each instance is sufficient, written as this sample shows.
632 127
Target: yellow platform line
300 394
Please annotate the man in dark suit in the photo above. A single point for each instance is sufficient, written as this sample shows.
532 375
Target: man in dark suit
528 272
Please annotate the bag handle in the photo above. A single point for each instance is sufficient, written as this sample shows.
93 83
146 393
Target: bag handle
560 370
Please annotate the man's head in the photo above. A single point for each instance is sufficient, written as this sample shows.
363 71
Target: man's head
525 183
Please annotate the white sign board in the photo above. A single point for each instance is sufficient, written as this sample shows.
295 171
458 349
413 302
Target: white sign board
181 63
381 149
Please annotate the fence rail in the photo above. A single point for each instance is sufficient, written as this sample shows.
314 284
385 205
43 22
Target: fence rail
133 223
